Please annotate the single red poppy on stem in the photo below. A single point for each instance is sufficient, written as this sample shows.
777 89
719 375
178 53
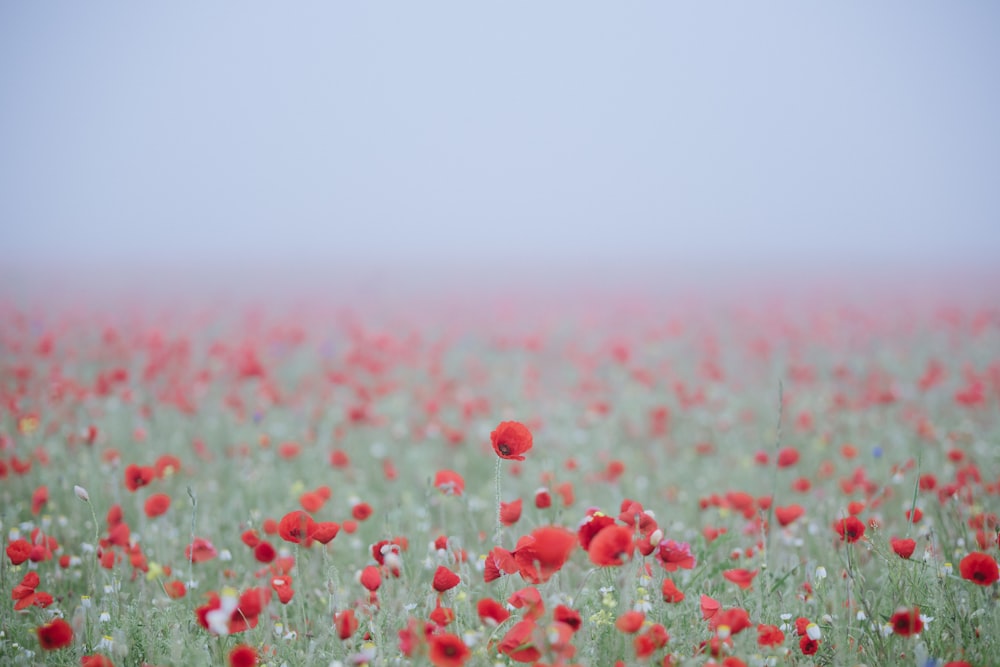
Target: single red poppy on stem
511 440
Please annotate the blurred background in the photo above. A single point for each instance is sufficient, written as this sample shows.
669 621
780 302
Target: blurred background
469 145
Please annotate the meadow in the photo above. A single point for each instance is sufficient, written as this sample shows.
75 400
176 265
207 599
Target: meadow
769 483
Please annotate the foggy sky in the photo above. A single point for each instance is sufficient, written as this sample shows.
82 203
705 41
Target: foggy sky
499 134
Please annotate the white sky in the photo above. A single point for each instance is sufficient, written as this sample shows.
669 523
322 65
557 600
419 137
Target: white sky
499 134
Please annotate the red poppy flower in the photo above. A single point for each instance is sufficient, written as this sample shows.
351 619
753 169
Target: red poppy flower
449 482
808 646
709 607
311 501
519 644
903 547
979 568
740 577
530 600
296 527
611 546
323 531
445 579
243 656
592 525
55 635
442 616
96 660
906 622
510 513
371 578
491 612
673 555
630 622
787 457
175 589
670 592
264 552
18 551
346 623
543 553
851 529
157 504
39 499
200 550
786 515
511 440
769 635
447 650
651 640
361 511
735 619
567 615
138 476
498 562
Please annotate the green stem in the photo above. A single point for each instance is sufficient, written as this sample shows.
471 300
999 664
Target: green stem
498 535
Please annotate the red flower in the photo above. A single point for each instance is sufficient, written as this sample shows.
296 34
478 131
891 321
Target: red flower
787 515
371 578
709 607
243 656
592 525
511 440
611 546
449 482
39 498
671 593
323 531
447 650
543 553
445 579
157 504
96 660
530 600
491 612
296 527
264 552
742 578
788 456
567 615
736 619
138 476
55 635
230 615
510 513
630 622
346 623
518 643
175 589
498 562
808 646
18 551
361 511
906 622
769 635
851 529
673 555
979 568
200 550
903 547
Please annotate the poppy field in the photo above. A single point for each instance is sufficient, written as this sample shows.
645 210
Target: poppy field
616 481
